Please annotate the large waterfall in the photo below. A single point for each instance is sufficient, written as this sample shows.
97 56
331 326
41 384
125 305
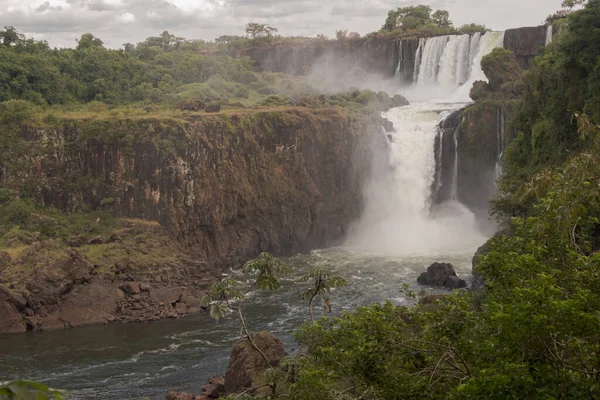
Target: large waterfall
399 217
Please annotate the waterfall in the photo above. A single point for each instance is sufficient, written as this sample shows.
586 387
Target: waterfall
454 190
454 61
400 59
431 59
549 34
500 133
418 56
398 217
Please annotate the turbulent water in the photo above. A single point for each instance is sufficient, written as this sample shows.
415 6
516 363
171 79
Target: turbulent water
400 233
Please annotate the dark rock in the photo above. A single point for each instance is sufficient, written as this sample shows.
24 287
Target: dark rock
11 320
215 387
454 282
131 288
400 101
247 366
526 43
436 274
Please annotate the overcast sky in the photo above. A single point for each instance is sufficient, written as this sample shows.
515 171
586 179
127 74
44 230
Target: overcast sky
60 22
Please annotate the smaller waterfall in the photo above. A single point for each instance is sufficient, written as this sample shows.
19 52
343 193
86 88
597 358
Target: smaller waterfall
549 33
418 56
400 60
454 191
500 135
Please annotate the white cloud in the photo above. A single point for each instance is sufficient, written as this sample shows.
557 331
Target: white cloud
60 21
126 18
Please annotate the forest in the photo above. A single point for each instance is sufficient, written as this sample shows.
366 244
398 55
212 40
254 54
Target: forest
531 332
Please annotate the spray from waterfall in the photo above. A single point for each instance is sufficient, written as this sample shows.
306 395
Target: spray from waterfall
398 217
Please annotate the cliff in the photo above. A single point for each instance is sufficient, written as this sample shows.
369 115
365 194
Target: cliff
380 56
525 43
226 186
373 55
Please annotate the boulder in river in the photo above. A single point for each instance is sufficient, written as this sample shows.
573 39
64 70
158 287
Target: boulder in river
215 387
247 367
441 274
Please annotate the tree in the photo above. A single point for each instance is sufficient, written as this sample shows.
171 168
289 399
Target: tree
260 31
441 18
570 4
87 41
226 292
322 282
341 34
412 17
9 36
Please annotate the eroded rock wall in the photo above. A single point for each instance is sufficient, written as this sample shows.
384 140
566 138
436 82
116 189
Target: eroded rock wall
226 187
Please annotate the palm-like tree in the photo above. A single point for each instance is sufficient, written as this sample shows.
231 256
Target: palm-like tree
322 283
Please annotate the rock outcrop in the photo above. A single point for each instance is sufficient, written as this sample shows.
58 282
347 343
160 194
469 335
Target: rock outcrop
441 275
373 55
525 42
205 194
247 366
56 287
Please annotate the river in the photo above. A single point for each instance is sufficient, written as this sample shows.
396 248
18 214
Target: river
397 238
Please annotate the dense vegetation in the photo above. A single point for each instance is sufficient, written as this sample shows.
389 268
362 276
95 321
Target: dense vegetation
421 19
533 332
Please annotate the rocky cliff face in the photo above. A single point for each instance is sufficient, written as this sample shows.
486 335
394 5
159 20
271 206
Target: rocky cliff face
525 43
226 186
378 56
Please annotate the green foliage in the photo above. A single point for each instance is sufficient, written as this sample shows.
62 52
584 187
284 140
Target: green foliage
566 78
28 390
21 219
321 282
268 268
259 31
419 20
469 29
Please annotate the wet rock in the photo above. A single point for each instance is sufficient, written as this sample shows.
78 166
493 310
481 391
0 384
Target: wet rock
247 366
400 101
454 282
11 320
441 274
215 387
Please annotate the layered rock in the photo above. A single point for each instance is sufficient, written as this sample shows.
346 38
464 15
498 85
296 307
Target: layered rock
372 55
225 187
525 43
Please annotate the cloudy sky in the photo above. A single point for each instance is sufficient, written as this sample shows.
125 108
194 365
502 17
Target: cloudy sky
60 22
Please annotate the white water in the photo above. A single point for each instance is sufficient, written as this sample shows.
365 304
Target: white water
398 218
549 34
